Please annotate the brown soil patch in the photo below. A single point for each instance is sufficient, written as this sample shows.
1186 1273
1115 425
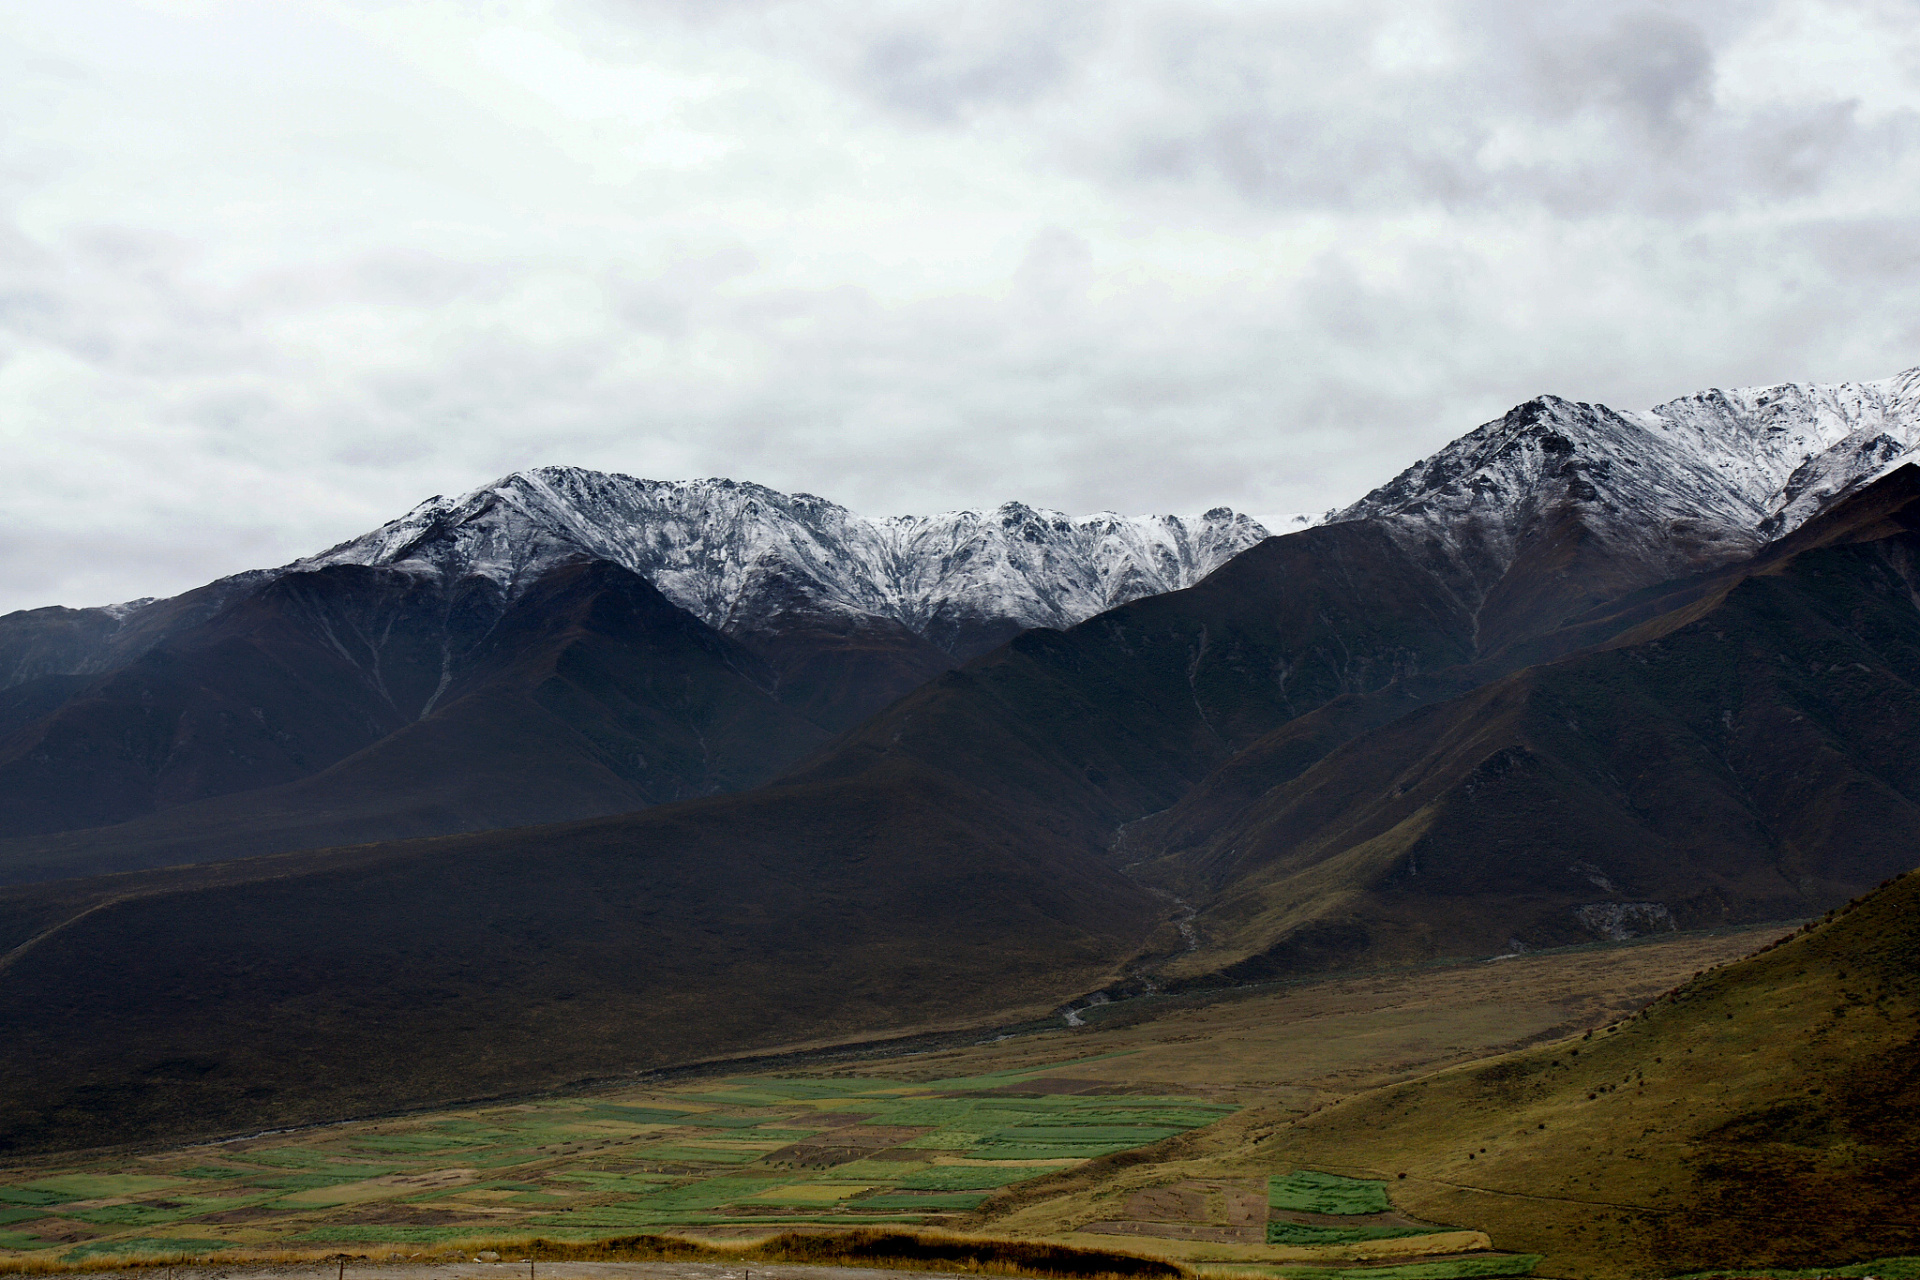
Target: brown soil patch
1051 1084
845 1145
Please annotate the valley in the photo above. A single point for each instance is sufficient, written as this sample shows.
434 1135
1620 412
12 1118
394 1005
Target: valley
989 1138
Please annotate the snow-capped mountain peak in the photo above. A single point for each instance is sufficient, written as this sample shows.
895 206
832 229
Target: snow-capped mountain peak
1694 482
741 556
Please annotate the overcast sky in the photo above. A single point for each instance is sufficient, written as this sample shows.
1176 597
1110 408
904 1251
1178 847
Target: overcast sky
271 273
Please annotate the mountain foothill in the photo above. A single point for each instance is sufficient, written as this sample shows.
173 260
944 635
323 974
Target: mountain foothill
579 775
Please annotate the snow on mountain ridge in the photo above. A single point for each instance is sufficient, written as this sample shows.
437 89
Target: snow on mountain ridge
1691 483
741 556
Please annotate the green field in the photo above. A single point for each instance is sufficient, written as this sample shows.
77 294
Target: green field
962 1177
1304 1191
576 1168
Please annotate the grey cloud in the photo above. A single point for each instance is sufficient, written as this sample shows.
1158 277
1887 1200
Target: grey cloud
1580 107
1651 66
943 61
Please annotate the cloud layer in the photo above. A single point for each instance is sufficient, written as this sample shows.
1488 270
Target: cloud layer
270 274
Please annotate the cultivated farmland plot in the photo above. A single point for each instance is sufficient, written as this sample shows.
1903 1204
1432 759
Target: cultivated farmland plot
729 1157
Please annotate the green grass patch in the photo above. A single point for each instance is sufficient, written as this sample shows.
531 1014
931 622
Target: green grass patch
638 1183
605 1215
632 1115
25 1196
964 1177
1099 1134
1302 1233
810 1090
811 1195
131 1215
10 1216
708 1194
391 1235
313 1181
1053 1151
411 1143
931 1203
290 1158
995 1080
1305 1191
701 1155
876 1173
442 1192
98 1186
21 1240
212 1173
713 1120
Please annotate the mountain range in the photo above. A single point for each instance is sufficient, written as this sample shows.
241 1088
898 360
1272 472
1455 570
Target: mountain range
560 644
1581 674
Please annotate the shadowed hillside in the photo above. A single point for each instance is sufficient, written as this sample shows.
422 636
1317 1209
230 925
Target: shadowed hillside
1748 755
312 986
590 694
945 862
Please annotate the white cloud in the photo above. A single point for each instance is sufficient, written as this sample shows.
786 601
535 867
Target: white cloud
270 274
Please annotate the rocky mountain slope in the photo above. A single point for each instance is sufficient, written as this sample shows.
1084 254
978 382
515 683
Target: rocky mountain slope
747 560
588 694
1558 506
1745 754
273 676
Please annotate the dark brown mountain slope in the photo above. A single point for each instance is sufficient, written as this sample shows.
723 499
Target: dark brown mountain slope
947 860
592 694
57 641
279 684
1881 510
1099 724
292 989
1120 715
836 671
1753 754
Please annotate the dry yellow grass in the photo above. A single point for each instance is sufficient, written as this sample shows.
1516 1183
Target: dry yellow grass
1300 1047
1762 1117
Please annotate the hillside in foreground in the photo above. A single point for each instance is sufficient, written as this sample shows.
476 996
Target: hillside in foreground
1766 1114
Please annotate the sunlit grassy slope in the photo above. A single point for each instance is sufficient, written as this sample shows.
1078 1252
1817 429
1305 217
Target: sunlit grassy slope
1764 1114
